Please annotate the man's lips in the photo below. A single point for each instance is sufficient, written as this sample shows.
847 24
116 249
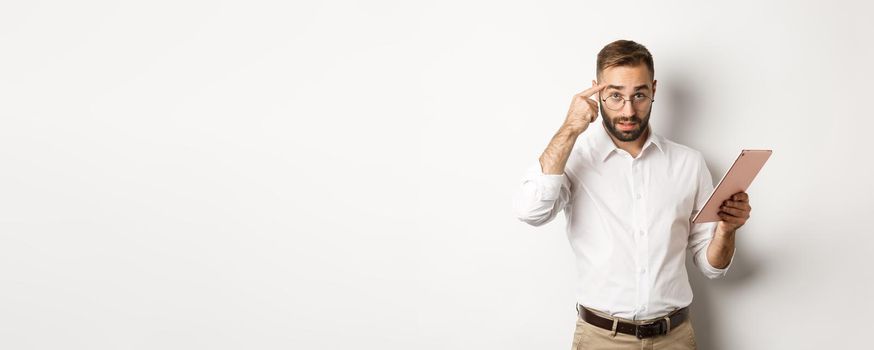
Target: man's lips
626 126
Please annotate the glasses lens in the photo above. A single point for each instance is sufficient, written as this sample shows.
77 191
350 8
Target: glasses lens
642 103
615 102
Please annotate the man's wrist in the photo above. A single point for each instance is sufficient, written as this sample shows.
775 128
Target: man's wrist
725 234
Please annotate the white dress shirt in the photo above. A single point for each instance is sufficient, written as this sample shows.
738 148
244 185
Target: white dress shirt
628 221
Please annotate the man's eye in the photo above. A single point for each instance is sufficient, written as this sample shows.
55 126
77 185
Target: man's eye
615 96
639 96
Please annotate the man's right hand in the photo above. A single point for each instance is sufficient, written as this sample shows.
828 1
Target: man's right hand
583 110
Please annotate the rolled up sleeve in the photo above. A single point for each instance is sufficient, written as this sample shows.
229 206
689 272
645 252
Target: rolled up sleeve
699 241
541 196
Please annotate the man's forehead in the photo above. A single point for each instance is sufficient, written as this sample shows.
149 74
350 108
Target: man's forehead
626 78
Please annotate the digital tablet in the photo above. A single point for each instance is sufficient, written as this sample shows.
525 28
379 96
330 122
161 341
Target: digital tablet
737 179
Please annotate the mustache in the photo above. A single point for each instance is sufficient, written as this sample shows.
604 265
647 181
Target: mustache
632 119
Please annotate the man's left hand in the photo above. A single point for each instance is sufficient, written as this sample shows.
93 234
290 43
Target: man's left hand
734 213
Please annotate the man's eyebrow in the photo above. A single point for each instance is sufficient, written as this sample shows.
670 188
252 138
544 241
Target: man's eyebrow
620 87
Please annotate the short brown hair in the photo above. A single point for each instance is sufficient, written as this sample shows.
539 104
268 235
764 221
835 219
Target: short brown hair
624 53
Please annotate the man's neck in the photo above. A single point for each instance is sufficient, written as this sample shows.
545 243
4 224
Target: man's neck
632 147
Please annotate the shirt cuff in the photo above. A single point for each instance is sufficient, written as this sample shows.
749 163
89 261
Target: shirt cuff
550 186
711 271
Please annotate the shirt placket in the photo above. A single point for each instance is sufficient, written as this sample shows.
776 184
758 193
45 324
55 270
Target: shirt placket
641 238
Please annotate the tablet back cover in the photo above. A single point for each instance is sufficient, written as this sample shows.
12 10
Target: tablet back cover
737 179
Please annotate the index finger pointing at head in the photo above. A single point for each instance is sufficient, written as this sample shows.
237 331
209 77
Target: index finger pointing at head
592 90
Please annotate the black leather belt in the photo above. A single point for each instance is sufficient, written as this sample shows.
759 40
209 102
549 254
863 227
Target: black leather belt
646 330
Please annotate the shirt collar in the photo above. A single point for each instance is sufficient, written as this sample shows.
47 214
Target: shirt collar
604 146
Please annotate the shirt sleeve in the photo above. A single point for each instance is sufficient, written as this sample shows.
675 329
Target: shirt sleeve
541 196
701 234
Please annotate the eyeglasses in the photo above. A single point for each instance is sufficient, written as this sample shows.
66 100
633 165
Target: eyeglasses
616 101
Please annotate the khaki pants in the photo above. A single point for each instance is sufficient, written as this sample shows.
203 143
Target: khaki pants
588 336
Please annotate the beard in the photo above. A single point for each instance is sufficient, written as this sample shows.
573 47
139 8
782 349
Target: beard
630 135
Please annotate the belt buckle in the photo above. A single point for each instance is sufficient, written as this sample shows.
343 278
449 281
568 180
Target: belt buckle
658 329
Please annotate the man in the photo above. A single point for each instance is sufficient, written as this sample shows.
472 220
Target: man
629 195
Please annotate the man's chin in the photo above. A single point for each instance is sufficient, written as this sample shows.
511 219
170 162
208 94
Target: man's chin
627 135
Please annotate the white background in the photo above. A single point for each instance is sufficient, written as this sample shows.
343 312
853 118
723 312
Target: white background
327 175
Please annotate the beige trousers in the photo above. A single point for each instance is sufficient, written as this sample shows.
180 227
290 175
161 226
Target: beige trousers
588 336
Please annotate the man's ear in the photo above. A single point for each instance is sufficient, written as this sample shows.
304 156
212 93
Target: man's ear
654 88
594 83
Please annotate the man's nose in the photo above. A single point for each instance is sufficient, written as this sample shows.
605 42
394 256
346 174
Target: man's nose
628 108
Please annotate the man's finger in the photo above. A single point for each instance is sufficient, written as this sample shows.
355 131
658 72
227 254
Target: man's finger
741 196
730 219
737 204
592 90
734 212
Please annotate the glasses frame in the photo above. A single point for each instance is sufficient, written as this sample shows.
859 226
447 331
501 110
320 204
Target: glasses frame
624 100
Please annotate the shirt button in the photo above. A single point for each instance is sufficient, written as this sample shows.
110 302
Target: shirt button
642 270
641 232
638 196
